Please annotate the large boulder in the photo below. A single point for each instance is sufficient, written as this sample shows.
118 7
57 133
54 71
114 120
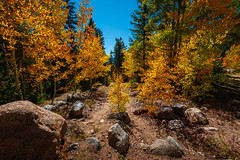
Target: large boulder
165 113
179 109
77 109
168 147
29 132
118 138
196 116
121 116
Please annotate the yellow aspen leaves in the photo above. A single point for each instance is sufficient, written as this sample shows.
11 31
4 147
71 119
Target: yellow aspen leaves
118 95
90 61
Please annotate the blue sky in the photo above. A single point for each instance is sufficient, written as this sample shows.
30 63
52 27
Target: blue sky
113 18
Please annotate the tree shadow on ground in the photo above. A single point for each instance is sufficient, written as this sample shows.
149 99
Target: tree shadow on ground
227 97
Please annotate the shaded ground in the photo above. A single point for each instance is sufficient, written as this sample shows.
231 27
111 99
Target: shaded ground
222 112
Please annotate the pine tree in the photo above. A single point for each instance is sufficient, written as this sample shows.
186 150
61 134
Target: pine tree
118 54
140 20
141 32
111 62
98 32
169 16
72 17
71 23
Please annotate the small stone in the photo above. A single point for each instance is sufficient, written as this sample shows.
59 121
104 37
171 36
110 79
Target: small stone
121 116
196 116
73 97
165 113
102 121
73 146
95 142
202 154
59 103
69 97
61 108
92 131
164 148
179 109
204 108
77 109
172 141
210 129
118 138
143 145
50 107
175 124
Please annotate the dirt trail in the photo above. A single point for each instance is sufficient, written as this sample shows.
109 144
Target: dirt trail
144 131
96 124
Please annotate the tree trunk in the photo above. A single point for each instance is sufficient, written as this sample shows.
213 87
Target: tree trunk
41 88
23 85
15 71
75 83
182 21
54 88
90 80
7 65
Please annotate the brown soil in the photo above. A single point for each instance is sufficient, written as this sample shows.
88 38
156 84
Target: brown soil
223 112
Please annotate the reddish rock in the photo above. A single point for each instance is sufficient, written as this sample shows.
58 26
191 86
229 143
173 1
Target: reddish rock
29 132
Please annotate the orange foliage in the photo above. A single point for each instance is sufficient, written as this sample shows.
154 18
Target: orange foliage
214 15
232 58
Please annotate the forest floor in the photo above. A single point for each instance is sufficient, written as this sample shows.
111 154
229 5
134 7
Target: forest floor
222 111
